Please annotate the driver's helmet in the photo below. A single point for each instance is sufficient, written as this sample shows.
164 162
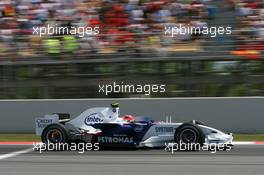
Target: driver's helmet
128 118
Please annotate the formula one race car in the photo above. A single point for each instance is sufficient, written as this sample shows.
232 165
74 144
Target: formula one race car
103 125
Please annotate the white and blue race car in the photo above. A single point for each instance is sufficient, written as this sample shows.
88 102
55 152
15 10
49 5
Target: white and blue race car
103 125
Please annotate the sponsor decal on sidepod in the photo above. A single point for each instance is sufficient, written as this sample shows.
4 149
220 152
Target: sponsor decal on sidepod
164 129
93 118
115 139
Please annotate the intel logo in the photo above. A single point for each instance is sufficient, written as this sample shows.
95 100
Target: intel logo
93 118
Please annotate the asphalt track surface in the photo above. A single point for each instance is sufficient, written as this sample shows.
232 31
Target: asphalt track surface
242 160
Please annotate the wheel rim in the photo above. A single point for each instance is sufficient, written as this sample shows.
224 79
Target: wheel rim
188 136
54 136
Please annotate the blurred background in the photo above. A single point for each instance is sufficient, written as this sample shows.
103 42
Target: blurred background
131 48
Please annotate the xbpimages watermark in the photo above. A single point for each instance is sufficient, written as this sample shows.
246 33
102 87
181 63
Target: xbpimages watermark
79 147
212 147
60 30
145 89
213 31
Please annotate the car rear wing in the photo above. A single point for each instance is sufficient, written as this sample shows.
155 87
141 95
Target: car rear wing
41 123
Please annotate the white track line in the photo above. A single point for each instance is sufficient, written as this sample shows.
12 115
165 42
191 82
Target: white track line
13 154
244 143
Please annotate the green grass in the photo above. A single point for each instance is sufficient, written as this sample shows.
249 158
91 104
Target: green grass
18 137
33 137
248 137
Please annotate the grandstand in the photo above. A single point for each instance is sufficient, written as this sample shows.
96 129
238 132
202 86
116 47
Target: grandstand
131 47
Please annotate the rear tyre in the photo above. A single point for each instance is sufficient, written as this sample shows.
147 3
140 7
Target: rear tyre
55 133
189 137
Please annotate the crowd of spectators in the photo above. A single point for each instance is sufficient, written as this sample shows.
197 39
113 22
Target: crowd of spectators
250 36
125 26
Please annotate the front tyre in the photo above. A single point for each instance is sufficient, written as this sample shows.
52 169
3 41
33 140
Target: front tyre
55 133
189 137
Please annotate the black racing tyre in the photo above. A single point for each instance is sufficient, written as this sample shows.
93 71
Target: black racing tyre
189 133
55 133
